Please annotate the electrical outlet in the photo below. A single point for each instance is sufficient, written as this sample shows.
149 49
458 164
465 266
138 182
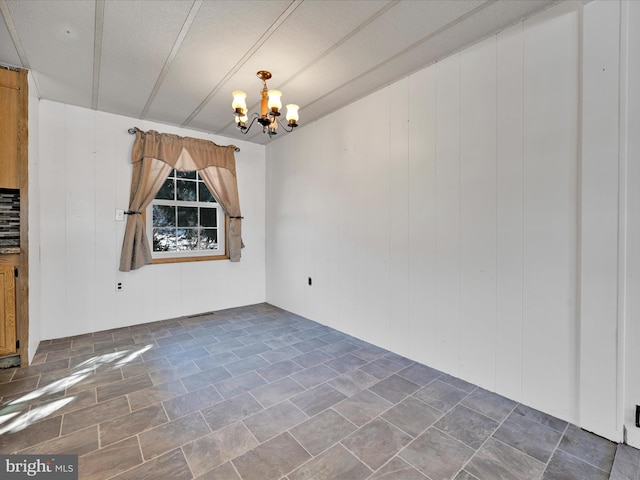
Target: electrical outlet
119 215
119 287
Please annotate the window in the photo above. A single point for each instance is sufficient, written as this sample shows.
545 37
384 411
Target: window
186 222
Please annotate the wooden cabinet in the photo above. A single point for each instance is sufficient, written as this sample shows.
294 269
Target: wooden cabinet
7 310
9 93
14 304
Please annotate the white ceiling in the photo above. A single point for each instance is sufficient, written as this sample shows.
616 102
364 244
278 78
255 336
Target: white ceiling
177 61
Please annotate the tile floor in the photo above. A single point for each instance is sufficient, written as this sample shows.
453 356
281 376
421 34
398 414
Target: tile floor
258 393
626 465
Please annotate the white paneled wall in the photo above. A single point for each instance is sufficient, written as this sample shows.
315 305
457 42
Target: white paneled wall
630 145
600 231
438 217
85 175
549 211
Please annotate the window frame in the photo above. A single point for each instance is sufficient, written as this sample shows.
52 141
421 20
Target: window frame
222 226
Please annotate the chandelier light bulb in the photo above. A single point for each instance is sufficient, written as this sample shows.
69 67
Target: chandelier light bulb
275 104
239 103
292 114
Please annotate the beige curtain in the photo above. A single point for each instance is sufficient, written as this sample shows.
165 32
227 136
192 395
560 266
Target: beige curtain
154 155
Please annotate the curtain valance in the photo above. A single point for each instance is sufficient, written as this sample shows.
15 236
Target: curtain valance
183 153
154 155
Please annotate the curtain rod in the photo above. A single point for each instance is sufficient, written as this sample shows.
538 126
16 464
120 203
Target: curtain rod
132 131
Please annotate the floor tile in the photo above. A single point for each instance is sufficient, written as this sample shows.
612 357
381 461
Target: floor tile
362 407
381 368
317 399
308 345
277 391
80 443
315 375
412 416
490 404
246 365
376 442
394 388
339 349
333 337
202 379
125 426
420 374
594 450
353 382
498 460
98 413
626 463
135 369
334 464
96 380
173 434
192 401
323 430
274 420
168 374
465 476
224 472
370 352
457 382
437 455
211 451
398 469
171 465
16 437
217 360
310 359
281 353
276 371
567 467
528 436
345 363
467 426
190 355
110 461
155 394
272 459
250 350
236 385
440 395
230 411
541 418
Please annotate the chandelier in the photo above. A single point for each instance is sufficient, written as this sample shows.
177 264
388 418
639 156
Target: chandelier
270 106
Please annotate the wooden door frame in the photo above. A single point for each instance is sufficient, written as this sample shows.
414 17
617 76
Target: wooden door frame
22 282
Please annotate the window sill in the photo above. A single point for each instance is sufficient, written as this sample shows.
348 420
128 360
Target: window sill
157 261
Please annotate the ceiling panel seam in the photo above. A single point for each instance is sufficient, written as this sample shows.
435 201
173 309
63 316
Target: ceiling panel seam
245 58
406 50
186 26
97 52
17 44
343 40
333 47
13 32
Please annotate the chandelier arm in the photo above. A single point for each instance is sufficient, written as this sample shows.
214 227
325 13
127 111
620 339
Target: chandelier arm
284 126
245 130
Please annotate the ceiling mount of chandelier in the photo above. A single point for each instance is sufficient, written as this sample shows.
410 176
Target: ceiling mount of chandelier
270 106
